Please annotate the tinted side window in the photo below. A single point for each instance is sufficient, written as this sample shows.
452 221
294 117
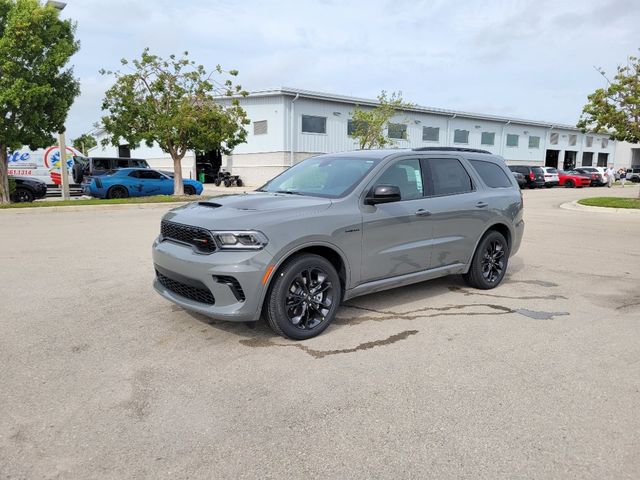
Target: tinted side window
138 163
492 175
122 163
134 174
406 175
101 164
149 174
449 176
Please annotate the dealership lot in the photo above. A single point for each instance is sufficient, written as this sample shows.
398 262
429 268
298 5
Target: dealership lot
539 378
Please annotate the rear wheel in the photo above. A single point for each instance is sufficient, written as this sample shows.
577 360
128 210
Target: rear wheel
216 182
117 192
303 298
489 263
569 184
23 195
189 190
227 182
239 182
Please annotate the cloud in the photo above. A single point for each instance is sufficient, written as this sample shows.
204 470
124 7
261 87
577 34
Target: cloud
526 58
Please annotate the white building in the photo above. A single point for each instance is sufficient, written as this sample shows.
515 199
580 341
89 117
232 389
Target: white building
288 125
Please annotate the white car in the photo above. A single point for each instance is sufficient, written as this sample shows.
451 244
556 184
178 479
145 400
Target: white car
551 177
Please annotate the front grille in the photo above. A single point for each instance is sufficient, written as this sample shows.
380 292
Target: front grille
197 294
197 237
234 285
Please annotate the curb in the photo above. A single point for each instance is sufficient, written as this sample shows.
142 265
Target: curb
88 208
576 207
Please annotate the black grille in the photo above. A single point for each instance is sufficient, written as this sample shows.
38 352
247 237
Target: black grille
198 237
234 285
197 294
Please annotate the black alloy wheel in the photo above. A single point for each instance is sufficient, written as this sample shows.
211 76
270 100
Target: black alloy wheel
117 192
23 195
489 263
569 184
303 297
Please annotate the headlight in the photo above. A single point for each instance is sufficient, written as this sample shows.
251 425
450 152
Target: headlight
242 240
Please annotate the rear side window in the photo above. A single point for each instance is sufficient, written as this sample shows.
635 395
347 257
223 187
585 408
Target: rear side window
492 175
101 164
139 163
537 170
406 175
449 176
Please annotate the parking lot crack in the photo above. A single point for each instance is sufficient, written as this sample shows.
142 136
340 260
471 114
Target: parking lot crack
468 292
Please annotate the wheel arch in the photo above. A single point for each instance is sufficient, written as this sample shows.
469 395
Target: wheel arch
499 227
325 250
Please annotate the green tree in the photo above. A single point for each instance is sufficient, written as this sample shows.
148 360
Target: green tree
370 125
84 142
177 104
36 87
615 109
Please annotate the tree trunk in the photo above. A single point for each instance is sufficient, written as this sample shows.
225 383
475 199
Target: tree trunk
4 176
178 187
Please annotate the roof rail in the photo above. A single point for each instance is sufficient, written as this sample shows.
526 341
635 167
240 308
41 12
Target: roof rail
450 149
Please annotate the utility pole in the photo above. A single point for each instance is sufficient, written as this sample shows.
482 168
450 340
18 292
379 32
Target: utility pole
64 174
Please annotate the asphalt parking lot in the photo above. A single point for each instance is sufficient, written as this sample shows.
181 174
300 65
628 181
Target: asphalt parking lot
539 378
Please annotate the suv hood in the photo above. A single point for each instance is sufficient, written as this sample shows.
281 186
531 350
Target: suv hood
246 211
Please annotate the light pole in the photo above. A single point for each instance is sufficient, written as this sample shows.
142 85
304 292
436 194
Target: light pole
64 174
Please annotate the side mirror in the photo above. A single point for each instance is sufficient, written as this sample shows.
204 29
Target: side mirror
383 194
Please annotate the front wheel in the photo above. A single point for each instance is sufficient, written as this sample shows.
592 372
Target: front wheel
569 184
239 182
216 182
303 298
189 190
227 182
489 262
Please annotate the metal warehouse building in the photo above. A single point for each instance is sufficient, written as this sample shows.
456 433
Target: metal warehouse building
289 125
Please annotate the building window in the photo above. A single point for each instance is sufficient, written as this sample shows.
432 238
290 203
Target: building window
587 159
605 142
124 151
553 138
260 127
430 134
461 136
589 142
512 140
488 138
534 142
602 159
312 124
398 131
573 139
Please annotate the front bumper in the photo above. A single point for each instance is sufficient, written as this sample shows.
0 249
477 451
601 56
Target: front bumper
182 264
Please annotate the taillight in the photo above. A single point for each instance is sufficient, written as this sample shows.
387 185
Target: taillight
532 176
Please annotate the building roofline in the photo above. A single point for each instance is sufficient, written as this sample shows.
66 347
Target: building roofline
310 94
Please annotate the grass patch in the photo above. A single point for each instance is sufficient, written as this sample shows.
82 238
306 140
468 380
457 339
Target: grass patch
100 201
611 202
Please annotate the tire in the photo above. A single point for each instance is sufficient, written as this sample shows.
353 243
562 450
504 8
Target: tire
569 184
487 272
23 195
227 182
117 191
216 182
548 185
239 182
290 310
189 190
78 173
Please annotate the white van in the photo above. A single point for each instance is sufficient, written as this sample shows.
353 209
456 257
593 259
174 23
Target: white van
42 164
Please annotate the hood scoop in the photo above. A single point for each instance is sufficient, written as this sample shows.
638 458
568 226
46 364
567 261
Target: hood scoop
210 204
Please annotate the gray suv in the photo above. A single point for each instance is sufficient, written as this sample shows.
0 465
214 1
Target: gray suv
337 226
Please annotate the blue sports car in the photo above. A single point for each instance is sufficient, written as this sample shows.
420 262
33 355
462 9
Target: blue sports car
135 182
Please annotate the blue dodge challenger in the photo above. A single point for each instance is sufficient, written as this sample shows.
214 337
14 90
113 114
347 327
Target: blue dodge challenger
135 182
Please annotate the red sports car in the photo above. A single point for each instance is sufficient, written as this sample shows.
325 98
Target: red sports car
572 179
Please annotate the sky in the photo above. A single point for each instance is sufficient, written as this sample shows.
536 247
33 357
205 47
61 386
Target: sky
531 59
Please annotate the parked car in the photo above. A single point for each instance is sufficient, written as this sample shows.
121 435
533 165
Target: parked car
522 181
533 175
135 182
572 178
633 174
551 178
28 189
598 178
337 226
95 166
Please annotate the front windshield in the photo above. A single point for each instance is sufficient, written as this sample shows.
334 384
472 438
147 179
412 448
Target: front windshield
322 176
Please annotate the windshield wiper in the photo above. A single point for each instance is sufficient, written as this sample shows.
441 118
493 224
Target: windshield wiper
288 192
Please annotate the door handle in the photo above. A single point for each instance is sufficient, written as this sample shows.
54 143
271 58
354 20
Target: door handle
482 204
423 213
